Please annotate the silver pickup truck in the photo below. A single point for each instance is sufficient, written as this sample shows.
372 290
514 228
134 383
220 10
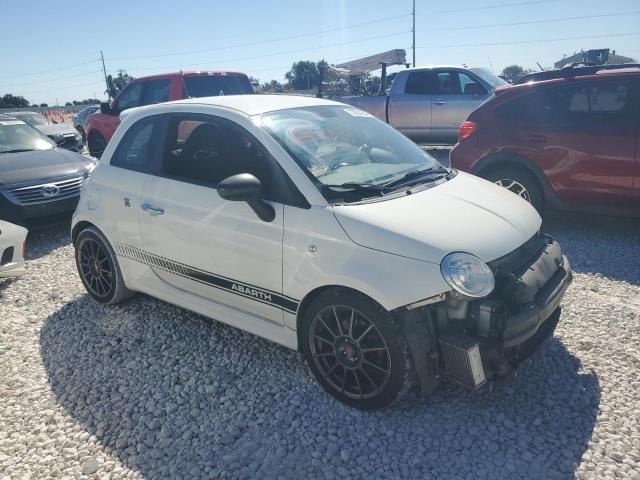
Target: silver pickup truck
428 104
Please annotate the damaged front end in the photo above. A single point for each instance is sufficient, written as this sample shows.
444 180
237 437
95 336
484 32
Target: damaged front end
472 341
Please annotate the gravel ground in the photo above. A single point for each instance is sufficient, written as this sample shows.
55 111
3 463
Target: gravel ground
147 390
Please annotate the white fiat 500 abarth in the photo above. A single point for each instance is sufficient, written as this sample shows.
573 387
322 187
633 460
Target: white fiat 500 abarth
314 225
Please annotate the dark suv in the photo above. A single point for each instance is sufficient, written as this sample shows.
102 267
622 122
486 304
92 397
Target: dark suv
565 139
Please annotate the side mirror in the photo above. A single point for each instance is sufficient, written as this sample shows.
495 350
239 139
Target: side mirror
244 187
105 108
474 88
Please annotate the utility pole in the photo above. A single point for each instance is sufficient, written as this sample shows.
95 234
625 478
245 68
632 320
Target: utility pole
104 69
413 30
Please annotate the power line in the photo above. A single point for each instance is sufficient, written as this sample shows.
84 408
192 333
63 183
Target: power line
49 80
47 71
514 42
275 54
66 88
502 5
562 19
262 42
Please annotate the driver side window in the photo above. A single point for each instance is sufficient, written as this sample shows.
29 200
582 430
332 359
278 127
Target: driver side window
205 152
130 97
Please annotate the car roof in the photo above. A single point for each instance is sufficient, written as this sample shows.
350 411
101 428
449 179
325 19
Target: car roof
22 113
257 104
190 73
431 67
7 116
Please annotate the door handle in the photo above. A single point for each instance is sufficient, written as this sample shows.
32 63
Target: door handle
151 210
439 102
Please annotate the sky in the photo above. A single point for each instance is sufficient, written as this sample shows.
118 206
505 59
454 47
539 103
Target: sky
51 49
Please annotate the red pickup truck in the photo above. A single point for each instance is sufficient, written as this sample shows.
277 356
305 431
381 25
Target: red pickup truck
157 89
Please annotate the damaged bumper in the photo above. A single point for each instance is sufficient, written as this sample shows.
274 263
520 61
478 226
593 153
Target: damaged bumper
480 340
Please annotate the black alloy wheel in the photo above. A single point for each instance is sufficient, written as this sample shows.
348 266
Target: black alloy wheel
95 268
349 352
355 350
98 267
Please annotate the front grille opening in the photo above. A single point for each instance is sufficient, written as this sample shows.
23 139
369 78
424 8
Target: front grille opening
7 256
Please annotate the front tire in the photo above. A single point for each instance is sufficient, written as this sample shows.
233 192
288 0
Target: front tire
355 350
98 267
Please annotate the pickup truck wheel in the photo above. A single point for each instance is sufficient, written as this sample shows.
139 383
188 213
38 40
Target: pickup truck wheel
97 144
520 182
98 267
355 350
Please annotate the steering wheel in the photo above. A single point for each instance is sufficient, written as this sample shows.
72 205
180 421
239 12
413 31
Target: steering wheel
353 160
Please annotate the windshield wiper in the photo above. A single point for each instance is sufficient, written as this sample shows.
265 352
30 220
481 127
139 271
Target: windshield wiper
16 150
415 174
356 187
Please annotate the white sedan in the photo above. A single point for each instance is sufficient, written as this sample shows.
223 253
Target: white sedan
12 248
314 225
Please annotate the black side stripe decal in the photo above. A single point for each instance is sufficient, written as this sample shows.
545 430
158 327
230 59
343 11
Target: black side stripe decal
242 289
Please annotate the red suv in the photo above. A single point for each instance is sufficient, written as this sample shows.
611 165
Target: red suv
158 89
565 139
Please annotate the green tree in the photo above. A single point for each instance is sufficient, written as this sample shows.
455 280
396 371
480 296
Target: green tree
272 86
44 105
11 101
117 83
512 72
303 75
68 104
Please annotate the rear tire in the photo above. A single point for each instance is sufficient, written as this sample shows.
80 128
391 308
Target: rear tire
355 350
519 181
98 267
96 145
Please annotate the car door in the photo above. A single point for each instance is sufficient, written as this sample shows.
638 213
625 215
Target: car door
456 95
196 241
583 137
410 105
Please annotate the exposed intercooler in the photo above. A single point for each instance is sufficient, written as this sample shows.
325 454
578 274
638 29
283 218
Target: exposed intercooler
462 361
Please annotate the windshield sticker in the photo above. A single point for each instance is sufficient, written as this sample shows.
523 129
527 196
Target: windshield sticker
354 112
11 122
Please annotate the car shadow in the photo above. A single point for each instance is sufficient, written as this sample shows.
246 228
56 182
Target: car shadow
42 240
179 395
597 244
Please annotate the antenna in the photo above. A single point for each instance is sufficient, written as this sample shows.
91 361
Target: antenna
184 85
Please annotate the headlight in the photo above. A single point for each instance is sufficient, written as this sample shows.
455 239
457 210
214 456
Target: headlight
467 274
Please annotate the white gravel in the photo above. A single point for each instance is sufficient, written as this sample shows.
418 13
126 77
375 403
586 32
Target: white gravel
147 390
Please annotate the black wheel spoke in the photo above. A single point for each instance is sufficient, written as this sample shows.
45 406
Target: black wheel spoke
327 327
335 314
322 339
359 387
353 314
376 349
364 334
377 367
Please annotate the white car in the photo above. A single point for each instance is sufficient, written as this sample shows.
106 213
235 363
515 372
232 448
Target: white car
314 225
12 248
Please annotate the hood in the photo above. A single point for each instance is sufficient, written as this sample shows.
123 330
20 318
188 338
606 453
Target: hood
56 129
465 214
41 165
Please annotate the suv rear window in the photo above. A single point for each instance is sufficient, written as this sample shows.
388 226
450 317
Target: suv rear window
570 105
214 85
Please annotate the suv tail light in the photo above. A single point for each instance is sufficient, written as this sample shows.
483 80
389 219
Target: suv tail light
467 129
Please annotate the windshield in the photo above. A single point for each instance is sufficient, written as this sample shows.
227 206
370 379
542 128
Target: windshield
214 85
343 146
17 136
34 119
489 77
